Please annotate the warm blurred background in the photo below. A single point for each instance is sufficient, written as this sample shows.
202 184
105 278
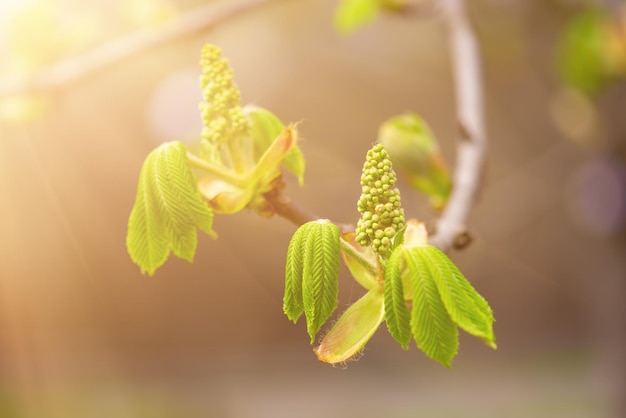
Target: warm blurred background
84 334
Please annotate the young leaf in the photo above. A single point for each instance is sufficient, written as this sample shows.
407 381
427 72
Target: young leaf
396 311
398 239
266 127
365 277
320 273
229 192
147 239
354 329
292 300
167 211
414 152
267 164
433 329
466 307
352 14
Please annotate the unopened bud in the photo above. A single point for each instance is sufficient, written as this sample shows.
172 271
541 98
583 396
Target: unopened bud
414 151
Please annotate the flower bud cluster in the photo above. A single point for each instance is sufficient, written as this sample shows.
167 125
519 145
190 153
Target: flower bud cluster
221 110
379 204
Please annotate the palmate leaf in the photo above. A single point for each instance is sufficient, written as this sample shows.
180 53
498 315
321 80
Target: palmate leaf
468 309
292 300
434 331
396 310
168 209
320 273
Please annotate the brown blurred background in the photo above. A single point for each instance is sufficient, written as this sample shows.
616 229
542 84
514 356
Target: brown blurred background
84 334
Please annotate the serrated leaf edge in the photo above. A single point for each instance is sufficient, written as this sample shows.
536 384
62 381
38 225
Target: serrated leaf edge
168 208
467 308
433 330
292 300
397 314
320 274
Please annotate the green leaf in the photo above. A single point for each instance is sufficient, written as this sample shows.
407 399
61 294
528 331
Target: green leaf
147 239
581 51
354 255
398 239
396 311
292 300
353 330
320 273
434 331
353 14
468 309
266 127
168 209
414 152
294 162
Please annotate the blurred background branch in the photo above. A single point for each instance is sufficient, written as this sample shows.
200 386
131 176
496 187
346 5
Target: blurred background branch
72 70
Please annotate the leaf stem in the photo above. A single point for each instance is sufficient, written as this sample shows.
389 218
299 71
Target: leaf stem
352 252
286 208
216 170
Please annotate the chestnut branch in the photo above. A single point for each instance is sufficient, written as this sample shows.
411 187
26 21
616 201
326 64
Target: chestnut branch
472 146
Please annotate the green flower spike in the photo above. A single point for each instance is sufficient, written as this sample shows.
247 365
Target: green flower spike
242 148
225 127
379 204
238 166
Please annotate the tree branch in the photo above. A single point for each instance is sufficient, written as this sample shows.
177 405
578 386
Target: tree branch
472 147
287 209
77 68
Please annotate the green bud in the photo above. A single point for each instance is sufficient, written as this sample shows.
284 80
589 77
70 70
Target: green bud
414 151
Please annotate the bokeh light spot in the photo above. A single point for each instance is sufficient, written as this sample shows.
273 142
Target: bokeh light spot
597 201
173 113
575 116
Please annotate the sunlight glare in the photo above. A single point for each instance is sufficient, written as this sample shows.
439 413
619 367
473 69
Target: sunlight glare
8 7
173 112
